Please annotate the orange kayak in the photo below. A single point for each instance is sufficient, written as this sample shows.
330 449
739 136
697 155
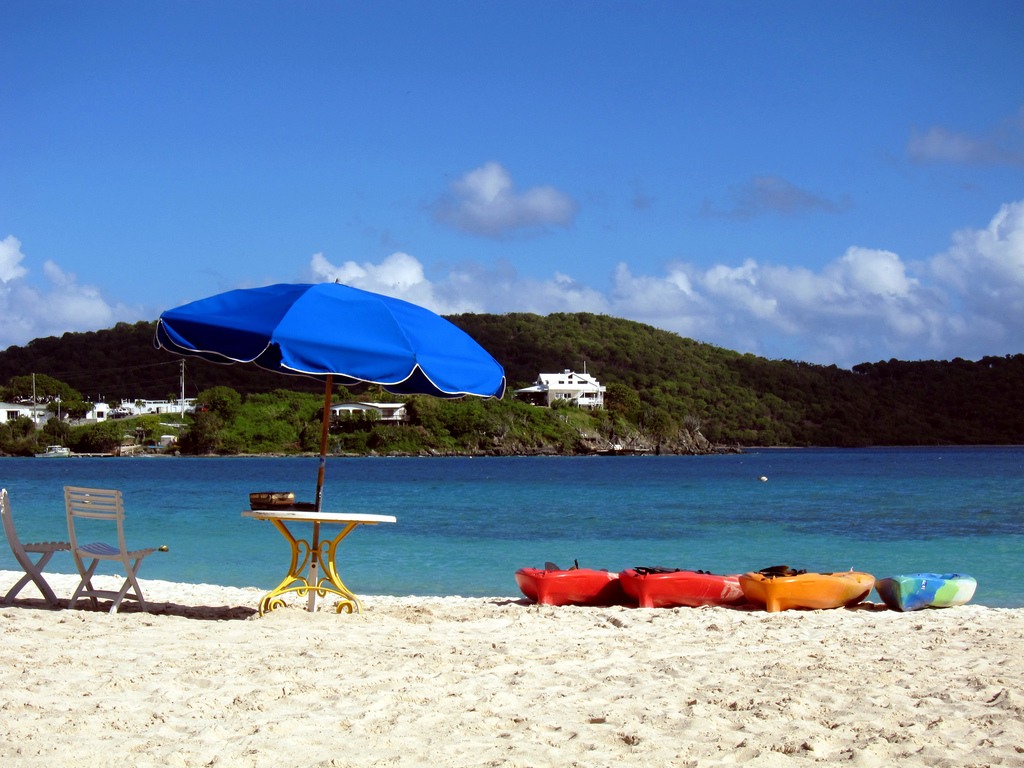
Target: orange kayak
681 588
579 586
806 590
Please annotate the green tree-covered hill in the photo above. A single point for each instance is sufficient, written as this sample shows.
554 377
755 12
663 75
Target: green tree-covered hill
752 400
657 381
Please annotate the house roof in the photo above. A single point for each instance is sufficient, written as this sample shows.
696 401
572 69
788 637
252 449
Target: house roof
368 405
582 378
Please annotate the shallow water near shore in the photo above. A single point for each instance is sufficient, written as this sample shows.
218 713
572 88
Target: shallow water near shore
465 525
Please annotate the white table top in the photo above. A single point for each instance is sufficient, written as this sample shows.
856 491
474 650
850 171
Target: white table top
317 517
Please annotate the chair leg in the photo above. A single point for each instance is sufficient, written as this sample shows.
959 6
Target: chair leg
9 597
86 584
135 584
33 572
86 588
130 582
120 596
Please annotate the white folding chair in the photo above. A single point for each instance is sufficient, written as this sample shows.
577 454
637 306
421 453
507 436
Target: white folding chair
100 504
33 571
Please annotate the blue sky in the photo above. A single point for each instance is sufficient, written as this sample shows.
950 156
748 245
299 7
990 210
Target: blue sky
829 182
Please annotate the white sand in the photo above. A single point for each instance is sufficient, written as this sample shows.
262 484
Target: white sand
495 682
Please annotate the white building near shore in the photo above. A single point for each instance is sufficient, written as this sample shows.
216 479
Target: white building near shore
14 411
129 408
99 412
389 412
581 389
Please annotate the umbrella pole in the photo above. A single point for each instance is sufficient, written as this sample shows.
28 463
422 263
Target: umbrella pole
315 551
323 442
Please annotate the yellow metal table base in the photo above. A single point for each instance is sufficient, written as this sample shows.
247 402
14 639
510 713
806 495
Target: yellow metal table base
321 578
324 553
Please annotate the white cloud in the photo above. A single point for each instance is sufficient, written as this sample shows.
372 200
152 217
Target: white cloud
485 202
985 268
28 312
671 302
10 259
399 271
399 275
874 272
465 288
866 304
777 310
773 194
941 145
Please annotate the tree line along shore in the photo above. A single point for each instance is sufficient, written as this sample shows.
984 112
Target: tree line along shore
665 394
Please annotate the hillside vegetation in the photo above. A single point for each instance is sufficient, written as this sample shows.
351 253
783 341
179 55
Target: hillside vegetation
664 391
754 401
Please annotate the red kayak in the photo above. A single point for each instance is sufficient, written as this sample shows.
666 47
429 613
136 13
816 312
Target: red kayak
653 589
579 586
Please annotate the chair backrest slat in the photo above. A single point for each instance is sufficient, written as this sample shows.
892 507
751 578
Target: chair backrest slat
95 504
9 531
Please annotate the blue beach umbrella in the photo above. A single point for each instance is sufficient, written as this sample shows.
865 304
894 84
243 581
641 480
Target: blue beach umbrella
338 333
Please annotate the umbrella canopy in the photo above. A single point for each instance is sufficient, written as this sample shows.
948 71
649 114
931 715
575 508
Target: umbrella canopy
329 329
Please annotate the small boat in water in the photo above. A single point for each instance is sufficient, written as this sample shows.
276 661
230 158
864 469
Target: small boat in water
54 452
780 588
663 588
914 591
577 586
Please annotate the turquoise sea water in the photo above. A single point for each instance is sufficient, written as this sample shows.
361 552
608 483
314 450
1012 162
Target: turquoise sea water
465 525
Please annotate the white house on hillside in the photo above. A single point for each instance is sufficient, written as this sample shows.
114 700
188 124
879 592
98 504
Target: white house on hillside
99 412
581 389
392 412
12 411
141 406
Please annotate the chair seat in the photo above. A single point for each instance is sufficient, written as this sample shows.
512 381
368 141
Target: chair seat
38 547
103 551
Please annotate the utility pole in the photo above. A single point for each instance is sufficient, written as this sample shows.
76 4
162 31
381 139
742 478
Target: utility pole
35 418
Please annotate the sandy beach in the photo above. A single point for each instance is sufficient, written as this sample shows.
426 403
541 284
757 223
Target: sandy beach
203 680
